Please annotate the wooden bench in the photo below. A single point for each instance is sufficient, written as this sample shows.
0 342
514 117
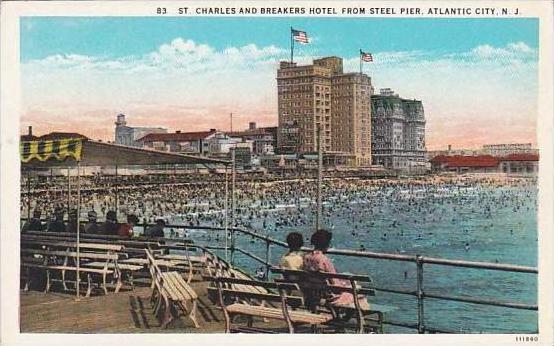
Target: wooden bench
64 244
172 293
319 289
234 302
66 261
132 245
61 240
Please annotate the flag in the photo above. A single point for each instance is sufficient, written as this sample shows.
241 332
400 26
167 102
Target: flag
300 36
367 57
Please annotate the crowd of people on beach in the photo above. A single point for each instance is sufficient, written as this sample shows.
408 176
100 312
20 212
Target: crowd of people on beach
384 208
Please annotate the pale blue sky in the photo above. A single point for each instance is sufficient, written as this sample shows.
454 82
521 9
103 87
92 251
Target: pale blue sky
477 78
114 37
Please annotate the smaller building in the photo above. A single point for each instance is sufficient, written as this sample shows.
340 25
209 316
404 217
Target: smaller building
509 149
520 164
465 164
29 136
263 138
194 143
130 135
52 136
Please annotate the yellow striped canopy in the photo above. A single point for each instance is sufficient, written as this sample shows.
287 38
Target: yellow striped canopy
59 149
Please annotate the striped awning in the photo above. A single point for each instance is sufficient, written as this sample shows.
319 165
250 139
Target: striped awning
59 149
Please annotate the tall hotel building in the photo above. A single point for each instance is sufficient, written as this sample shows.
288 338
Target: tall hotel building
321 95
398 140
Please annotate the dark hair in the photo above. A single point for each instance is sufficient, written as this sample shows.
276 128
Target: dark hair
111 215
321 239
132 218
295 241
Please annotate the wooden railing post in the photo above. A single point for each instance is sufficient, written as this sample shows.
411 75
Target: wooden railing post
420 296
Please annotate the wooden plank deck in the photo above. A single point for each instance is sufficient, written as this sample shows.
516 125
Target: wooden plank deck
123 312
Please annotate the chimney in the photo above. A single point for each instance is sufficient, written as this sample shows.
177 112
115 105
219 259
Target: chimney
449 147
30 130
121 120
252 126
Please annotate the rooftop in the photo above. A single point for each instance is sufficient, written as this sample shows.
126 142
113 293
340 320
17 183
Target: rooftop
520 157
176 136
466 161
57 135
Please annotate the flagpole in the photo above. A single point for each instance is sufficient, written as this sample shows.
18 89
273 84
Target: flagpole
360 61
291 46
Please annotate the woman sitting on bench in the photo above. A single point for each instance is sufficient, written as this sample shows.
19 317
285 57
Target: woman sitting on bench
318 261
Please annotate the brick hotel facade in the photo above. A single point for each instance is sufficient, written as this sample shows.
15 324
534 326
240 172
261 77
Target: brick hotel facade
321 95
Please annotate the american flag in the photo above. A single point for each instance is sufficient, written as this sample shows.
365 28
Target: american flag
367 57
300 36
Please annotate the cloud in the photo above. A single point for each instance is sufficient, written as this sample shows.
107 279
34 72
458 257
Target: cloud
188 85
185 55
511 52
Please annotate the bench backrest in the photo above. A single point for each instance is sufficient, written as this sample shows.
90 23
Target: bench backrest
89 255
72 244
276 292
99 239
155 271
318 287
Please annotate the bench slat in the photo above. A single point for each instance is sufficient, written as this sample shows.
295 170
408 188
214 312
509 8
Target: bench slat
323 275
93 255
184 285
296 316
82 269
180 285
112 266
73 244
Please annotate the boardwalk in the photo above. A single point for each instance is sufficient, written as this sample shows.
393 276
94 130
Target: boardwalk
124 312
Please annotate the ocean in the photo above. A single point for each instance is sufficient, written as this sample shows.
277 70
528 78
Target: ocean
476 223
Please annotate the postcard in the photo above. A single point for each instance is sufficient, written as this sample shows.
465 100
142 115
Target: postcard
373 172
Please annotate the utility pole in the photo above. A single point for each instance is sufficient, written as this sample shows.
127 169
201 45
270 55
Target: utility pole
231 116
319 178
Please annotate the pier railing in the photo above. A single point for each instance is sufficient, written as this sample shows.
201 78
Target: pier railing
420 261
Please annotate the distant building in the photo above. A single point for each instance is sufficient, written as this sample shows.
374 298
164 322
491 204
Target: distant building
351 116
221 143
263 138
398 131
430 154
61 135
509 149
52 136
521 164
195 143
322 96
465 164
29 136
127 135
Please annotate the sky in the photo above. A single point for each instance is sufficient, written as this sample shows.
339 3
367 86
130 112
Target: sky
477 78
